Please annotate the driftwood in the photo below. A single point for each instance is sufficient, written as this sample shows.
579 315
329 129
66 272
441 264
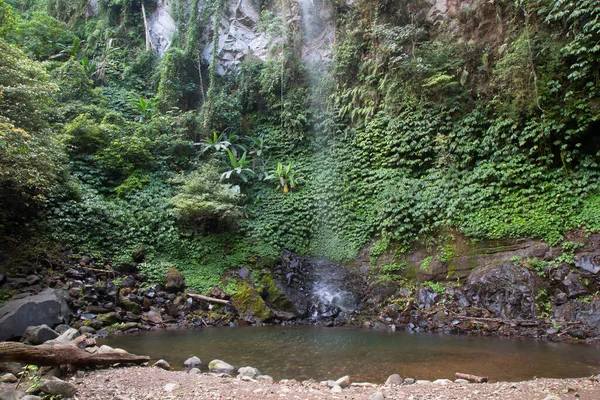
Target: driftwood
62 355
471 378
207 299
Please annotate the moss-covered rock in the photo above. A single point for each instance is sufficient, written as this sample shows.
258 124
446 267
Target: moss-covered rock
109 318
274 297
174 280
251 307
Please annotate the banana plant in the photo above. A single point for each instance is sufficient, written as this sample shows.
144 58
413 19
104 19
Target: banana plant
238 167
145 108
284 175
216 143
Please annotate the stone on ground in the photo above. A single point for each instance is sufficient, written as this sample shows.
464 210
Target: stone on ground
8 378
220 366
394 379
377 396
192 362
250 372
343 382
264 378
57 386
442 382
162 364
169 387
12 395
194 371
336 389
39 334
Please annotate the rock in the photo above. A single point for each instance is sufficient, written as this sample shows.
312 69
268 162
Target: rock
194 371
87 330
31 397
336 389
244 273
48 307
32 279
109 318
11 367
377 396
57 386
250 372
12 395
250 305
343 382
65 338
39 334
220 366
169 387
62 328
174 281
2 278
573 286
138 255
8 378
422 382
461 381
192 362
162 364
394 379
154 317
426 297
442 382
409 381
264 378
506 290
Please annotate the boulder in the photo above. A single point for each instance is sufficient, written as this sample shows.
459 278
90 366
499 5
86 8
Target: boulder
194 371
250 372
109 318
57 386
586 312
154 317
573 287
220 366
192 362
48 307
426 297
506 290
11 367
65 338
39 334
264 378
174 281
394 379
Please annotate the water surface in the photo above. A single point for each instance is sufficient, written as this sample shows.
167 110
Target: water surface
303 352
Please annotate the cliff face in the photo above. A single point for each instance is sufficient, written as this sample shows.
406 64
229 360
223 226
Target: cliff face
242 35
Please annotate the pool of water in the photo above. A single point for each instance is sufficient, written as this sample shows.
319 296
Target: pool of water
303 352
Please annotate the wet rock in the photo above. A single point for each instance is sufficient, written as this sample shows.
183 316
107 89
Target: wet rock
586 312
380 326
32 279
12 395
506 290
573 286
578 333
377 396
174 281
264 378
250 305
48 307
394 379
343 382
192 362
39 334
426 297
58 387
62 328
244 273
561 298
218 366
109 318
250 372
162 364
8 378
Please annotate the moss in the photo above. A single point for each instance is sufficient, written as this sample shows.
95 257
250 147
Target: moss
274 296
250 305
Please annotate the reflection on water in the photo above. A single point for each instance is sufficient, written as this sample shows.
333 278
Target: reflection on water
304 352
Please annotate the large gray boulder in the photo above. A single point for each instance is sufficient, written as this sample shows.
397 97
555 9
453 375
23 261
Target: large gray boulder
48 307
506 290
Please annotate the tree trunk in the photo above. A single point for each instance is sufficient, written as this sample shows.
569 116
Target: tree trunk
62 355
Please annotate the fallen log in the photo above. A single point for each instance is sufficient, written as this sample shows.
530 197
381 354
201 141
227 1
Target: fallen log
62 355
471 378
207 299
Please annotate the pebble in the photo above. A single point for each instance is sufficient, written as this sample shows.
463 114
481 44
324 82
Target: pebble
442 382
551 397
194 371
409 381
422 382
162 364
343 382
461 381
336 389
169 387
